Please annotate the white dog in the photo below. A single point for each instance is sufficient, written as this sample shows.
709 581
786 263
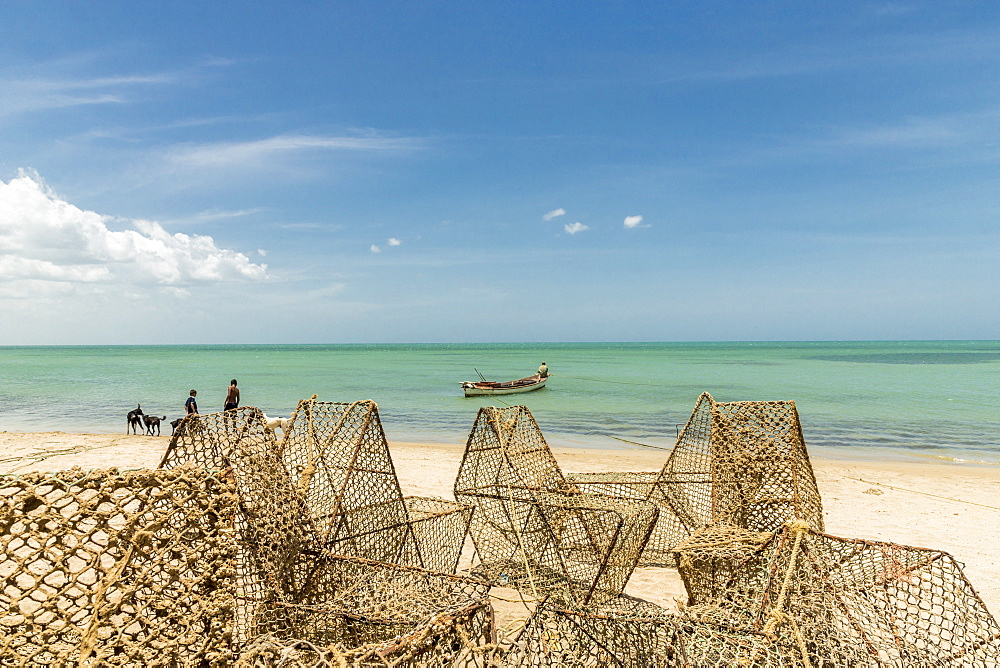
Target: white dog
274 423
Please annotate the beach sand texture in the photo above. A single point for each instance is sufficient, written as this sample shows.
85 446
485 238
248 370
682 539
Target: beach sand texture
949 507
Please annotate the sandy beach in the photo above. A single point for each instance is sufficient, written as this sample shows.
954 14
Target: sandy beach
950 507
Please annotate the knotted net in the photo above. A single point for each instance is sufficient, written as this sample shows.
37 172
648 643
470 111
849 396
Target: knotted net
843 601
631 633
293 589
108 567
532 529
339 460
741 463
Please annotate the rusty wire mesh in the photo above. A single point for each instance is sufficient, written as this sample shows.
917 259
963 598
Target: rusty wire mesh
741 463
532 529
845 601
116 568
631 633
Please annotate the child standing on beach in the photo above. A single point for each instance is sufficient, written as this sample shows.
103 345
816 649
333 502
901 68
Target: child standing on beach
191 405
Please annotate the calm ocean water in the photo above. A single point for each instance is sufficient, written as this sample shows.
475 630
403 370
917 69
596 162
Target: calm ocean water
935 400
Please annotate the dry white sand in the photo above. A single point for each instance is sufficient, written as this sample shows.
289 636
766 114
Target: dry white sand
950 507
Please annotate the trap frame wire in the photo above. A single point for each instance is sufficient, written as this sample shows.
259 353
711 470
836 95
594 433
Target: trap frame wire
742 463
338 457
292 586
533 530
106 567
844 601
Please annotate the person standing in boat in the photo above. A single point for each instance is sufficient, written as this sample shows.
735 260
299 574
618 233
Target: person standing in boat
543 371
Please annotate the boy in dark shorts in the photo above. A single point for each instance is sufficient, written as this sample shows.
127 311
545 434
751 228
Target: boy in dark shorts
232 396
191 405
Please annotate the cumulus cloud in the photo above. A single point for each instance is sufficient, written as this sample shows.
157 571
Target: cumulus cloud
43 238
393 241
573 228
632 222
375 249
555 213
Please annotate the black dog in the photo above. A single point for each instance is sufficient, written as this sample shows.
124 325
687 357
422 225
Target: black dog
174 424
152 422
134 420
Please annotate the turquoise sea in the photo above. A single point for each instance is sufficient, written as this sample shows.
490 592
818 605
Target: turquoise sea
926 400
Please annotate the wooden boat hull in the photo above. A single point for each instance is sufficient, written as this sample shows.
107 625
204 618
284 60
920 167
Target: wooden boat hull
482 389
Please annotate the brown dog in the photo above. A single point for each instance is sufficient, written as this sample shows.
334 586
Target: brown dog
152 422
134 420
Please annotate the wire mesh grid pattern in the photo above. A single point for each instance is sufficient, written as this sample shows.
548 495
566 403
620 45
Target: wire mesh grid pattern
741 463
353 611
637 634
339 460
272 522
532 529
116 568
224 557
291 585
844 601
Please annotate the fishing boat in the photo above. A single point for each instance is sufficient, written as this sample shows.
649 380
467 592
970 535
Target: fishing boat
487 387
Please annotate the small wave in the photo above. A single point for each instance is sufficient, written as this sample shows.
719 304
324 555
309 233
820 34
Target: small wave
954 460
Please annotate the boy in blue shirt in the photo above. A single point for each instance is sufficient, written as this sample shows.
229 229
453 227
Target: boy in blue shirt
191 405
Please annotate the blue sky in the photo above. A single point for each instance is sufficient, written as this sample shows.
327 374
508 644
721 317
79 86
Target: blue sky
191 172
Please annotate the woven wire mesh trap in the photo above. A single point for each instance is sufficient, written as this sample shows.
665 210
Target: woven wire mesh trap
329 484
291 586
631 633
742 463
272 518
362 613
116 568
535 531
339 460
844 601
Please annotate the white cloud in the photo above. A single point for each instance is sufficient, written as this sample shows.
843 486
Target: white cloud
632 221
30 95
261 252
327 291
393 241
216 214
262 152
920 132
555 213
375 249
55 84
573 228
13 268
43 238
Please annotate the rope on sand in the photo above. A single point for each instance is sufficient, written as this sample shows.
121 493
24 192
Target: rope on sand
644 445
38 457
914 491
